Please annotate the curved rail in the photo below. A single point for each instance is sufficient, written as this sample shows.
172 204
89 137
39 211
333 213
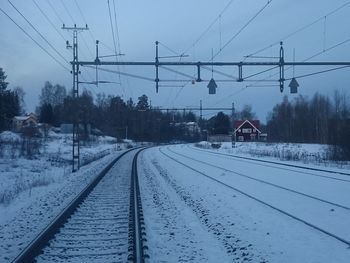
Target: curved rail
347 242
35 248
264 182
265 163
137 235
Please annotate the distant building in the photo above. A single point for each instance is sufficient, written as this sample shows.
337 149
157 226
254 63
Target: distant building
247 130
192 127
21 122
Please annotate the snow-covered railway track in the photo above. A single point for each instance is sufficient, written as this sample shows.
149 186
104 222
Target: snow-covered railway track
324 230
104 223
265 182
282 166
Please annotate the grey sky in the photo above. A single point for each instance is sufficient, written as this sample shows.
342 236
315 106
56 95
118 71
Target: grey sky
177 24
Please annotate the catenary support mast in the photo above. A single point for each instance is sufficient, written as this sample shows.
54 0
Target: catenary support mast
75 114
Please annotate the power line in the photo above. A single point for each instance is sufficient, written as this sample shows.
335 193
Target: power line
82 37
67 11
112 28
244 27
49 20
300 29
232 38
200 37
25 32
122 73
113 37
118 41
116 27
318 72
82 15
311 57
169 49
32 26
301 76
210 26
177 72
218 72
55 11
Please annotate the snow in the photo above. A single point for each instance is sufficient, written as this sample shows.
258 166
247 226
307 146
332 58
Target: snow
33 191
8 136
312 155
173 232
98 230
212 192
200 204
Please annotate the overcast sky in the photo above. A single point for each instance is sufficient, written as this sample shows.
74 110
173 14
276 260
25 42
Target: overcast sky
177 25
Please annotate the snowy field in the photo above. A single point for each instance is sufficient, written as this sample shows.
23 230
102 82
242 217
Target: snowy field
22 173
293 153
199 204
34 189
205 207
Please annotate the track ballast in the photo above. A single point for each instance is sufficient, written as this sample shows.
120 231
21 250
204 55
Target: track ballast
101 226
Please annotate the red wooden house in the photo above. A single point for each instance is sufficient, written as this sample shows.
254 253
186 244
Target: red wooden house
247 130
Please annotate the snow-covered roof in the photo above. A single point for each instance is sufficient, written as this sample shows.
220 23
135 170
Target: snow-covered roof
22 118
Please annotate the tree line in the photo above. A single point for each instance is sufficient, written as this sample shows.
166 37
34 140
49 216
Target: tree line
10 102
321 119
113 116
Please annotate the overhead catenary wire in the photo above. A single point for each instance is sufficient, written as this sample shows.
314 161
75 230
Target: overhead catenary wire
318 72
210 26
199 38
37 31
118 42
323 17
73 20
55 12
116 27
300 29
177 72
36 42
232 38
218 72
84 19
114 38
67 11
49 20
307 59
122 73
243 27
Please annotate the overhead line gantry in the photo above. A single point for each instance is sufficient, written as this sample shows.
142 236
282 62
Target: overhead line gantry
281 63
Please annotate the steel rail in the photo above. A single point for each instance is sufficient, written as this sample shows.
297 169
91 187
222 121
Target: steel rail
35 247
264 182
137 234
343 240
282 164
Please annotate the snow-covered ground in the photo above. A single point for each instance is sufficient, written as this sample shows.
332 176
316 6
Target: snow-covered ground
34 189
197 204
293 153
20 173
200 204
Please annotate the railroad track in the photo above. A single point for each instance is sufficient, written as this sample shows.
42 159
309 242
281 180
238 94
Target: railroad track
279 165
280 210
104 223
265 182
